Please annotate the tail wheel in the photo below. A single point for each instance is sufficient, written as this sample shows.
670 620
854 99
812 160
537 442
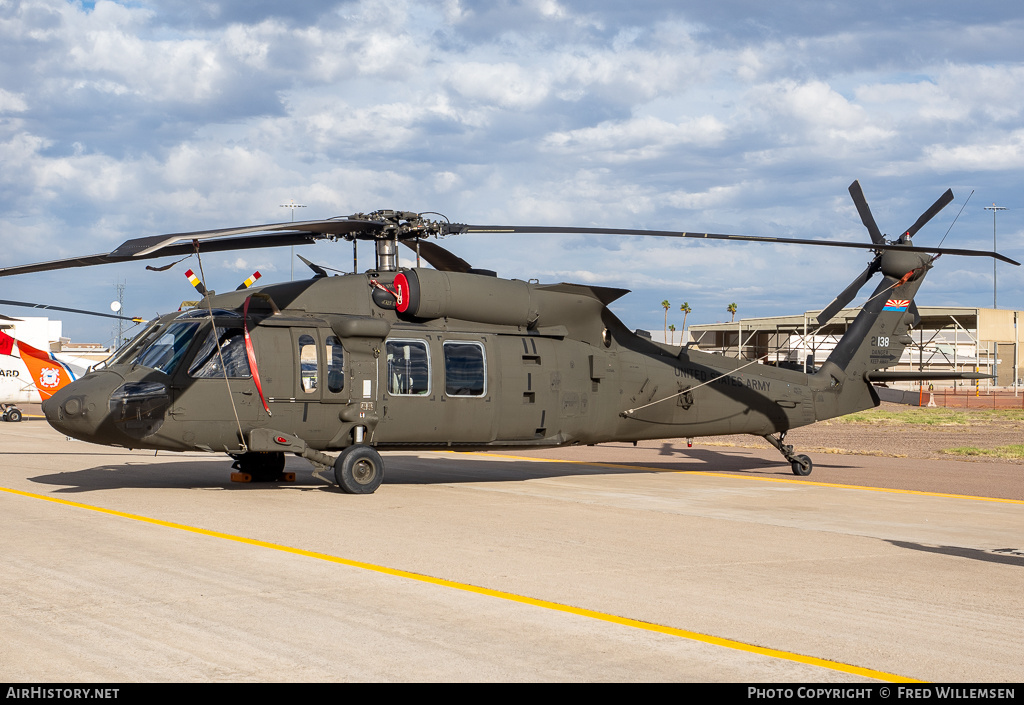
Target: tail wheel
359 470
802 465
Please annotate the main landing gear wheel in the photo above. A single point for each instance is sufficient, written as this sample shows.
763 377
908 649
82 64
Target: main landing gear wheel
260 467
359 470
13 415
802 465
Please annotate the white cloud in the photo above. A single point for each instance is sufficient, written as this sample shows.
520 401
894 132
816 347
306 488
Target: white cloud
996 92
550 9
122 121
454 12
1002 152
445 181
506 85
211 167
12 102
20 152
249 265
814 111
713 197
251 44
637 138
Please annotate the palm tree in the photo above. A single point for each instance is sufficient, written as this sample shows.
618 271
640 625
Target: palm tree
685 308
666 305
731 308
672 329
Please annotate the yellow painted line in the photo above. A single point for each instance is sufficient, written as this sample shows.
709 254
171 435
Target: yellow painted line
788 481
499 594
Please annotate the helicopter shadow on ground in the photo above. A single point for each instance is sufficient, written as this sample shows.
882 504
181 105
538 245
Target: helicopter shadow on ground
399 469
744 463
479 468
1005 556
185 474
435 471
407 469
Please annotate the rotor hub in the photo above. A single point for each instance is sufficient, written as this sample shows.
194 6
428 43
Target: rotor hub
897 264
389 228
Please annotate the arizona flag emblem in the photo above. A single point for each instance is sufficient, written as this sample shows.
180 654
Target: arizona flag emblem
896 305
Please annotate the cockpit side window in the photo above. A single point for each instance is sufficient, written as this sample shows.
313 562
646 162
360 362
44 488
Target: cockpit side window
335 365
307 363
207 363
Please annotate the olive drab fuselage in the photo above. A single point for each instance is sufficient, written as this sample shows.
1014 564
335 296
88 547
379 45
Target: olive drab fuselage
440 360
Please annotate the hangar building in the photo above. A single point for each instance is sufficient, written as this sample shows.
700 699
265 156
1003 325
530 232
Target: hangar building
963 339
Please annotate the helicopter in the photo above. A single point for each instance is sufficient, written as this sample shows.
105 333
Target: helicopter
456 358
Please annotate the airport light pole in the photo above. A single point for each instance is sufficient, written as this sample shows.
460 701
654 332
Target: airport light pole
994 208
120 304
292 205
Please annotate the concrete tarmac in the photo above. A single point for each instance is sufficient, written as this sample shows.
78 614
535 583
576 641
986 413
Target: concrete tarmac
611 563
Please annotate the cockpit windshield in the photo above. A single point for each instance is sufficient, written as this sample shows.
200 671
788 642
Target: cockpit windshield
167 349
132 347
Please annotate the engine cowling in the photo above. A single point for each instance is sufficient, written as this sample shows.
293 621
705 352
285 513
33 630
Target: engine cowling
430 294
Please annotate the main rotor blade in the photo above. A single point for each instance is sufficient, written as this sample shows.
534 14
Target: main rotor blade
848 294
225 245
943 201
359 227
865 213
141 246
438 257
26 304
458 228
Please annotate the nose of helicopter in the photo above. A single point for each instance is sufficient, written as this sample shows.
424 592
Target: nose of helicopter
80 409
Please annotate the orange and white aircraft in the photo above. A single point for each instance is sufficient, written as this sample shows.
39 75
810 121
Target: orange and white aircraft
30 375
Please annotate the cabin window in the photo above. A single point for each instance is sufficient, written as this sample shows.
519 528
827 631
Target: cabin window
408 367
335 363
207 363
307 363
464 369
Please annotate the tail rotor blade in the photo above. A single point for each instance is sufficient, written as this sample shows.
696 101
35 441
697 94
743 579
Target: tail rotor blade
865 213
848 294
943 201
915 313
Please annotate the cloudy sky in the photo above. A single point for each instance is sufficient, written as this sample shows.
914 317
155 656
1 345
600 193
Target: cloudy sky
120 120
